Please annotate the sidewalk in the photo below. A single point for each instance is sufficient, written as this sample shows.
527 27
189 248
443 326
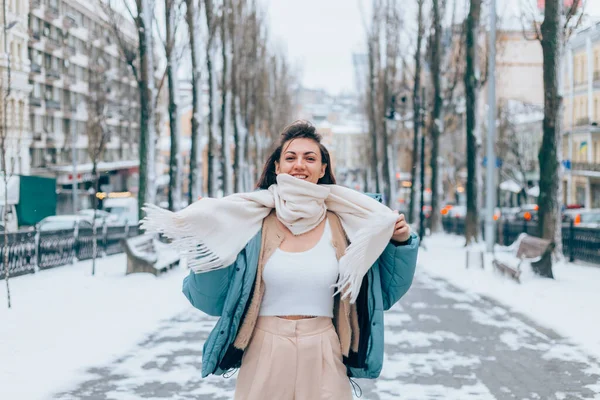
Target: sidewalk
441 342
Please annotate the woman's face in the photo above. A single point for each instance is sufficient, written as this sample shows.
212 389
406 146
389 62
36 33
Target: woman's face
301 158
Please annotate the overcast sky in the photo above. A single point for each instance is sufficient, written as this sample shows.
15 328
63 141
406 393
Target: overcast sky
319 36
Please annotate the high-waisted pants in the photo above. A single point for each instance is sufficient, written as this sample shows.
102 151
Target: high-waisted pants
293 360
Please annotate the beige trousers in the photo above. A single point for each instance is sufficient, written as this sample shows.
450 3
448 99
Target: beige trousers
293 360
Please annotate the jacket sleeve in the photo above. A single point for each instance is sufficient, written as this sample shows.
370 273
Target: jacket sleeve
397 267
207 291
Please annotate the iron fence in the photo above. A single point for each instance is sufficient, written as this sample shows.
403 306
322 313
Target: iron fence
21 254
31 250
578 243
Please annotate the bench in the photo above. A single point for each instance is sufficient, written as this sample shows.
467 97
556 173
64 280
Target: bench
526 248
145 253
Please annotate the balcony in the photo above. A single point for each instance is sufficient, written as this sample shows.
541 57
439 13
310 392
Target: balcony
52 73
582 122
35 101
69 51
597 76
36 67
69 22
585 166
52 105
51 12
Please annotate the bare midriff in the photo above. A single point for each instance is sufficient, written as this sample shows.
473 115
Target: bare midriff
295 317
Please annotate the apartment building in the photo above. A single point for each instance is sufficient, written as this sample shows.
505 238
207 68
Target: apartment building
63 35
13 57
581 144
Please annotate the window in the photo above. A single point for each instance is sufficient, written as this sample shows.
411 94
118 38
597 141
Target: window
47 61
37 90
67 126
48 92
56 94
48 122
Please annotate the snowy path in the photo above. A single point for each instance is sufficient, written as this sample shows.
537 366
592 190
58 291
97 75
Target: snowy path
440 343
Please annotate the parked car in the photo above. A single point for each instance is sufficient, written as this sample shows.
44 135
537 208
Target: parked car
509 213
585 217
63 222
457 212
125 209
101 216
527 212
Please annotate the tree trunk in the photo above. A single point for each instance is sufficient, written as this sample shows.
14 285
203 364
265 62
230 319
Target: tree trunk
195 174
211 116
175 167
224 91
147 191
96 180
234 104
471 89
373 117
436 116
416 118
549 155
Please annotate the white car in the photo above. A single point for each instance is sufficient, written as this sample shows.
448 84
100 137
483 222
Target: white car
125 209
63 222
101 216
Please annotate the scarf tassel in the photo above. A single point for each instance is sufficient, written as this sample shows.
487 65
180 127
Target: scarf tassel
199 257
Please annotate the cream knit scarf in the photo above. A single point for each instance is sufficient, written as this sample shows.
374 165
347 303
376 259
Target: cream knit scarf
211 232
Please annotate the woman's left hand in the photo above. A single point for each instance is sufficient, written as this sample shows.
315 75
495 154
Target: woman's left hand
401 229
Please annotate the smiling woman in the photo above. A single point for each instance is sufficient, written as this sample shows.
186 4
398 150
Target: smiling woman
300 154
300 272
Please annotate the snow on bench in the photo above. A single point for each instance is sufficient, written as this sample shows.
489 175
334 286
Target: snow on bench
145 253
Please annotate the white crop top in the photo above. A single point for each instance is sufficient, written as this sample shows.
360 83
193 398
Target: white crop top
301 283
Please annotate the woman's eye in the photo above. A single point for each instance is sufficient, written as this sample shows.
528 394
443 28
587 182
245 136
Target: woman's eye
289 159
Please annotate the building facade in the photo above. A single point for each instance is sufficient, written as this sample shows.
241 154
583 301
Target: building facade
581 144
13 59
65 37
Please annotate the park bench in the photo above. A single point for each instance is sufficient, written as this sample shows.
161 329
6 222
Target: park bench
526 248
145 253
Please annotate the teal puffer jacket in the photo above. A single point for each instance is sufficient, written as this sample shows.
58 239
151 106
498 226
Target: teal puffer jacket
226 292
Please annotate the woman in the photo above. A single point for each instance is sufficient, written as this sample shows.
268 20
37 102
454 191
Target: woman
301 308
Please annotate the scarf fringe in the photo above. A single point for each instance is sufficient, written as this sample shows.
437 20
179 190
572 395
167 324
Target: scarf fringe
183 238
353 265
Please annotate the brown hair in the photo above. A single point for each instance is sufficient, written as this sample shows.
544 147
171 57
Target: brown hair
297 130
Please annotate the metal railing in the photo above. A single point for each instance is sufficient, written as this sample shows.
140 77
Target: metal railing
578 243
29 251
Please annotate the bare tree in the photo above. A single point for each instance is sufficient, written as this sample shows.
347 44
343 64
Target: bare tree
510 146
553 32
211 23
416 109
5 143
560 21
436 126
225 93
192 19
373 55
472 84
139 55
235 18
389 91
172 18
96 127
4 154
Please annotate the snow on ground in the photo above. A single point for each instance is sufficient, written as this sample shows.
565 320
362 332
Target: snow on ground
568 304
64 320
